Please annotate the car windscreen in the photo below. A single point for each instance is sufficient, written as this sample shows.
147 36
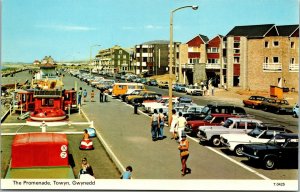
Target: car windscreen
208 118
227 123
185 108
205 110
255 132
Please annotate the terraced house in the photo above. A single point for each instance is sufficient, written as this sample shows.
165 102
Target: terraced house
259 56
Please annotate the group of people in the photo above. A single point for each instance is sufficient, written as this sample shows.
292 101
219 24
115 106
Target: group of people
157 125
84 94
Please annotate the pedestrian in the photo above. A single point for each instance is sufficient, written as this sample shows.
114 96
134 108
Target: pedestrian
92 95
204 90
127 173
174 121
106 95
161 124
212 90
84 95
181 125
79 96
154 125
101 94
86 168
184 153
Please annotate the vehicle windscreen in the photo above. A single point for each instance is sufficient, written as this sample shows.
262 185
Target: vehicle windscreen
185 108
205 110
227 123
208 118
255 132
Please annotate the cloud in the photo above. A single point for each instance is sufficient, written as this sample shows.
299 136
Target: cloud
153 27
66 27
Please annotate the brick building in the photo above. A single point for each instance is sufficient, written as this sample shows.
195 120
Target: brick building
262 55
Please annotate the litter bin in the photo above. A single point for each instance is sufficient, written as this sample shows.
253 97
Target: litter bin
135 107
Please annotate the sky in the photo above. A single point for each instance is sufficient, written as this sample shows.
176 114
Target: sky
70 29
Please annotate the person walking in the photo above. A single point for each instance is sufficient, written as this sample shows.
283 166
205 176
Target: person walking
101 94
174 121
79 96
127 173
161 124
212 90
92 95
84 95
181 124
106 95
154 125
184 153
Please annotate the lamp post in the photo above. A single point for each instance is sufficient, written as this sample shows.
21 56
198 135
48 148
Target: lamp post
171 56
91 56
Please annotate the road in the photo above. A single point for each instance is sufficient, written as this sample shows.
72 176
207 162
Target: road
128 136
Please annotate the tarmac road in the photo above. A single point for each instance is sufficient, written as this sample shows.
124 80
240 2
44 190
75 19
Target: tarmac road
129 137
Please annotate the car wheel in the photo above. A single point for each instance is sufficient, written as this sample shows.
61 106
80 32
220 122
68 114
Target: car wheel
269 163
238 150
295 115
216 141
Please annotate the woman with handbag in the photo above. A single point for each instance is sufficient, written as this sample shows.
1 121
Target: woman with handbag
184 152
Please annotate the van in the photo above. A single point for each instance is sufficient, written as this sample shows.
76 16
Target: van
125 88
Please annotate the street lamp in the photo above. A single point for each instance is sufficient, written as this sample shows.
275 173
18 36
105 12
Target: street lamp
194 7
91 56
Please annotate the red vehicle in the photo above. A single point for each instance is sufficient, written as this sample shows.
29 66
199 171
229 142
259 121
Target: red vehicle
25 100
70 100
48 106
211 119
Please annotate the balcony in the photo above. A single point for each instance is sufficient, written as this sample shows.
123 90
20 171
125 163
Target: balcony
213 66
272 67
294 67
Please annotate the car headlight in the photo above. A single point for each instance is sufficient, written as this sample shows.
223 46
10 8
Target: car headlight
255 152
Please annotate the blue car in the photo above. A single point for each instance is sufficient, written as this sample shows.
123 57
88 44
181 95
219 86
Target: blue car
180 88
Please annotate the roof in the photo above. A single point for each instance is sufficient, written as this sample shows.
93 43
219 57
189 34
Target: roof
27 138
251 30
287 30
204 38
156 42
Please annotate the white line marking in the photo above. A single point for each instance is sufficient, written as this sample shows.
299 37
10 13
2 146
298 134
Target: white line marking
234 161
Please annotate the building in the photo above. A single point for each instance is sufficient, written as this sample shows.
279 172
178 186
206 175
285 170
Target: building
112 60
152 57
193 64
48 59
36 62
259 56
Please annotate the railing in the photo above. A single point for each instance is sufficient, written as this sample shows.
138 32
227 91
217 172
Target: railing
294 67
213 66
40 93
272 67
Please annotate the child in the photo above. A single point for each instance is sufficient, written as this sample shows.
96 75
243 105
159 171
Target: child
127 173
92 96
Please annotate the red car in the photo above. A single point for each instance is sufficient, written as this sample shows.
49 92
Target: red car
211 119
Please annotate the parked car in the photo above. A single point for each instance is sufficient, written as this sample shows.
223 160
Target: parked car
193 90
277 105
231 125
261 134
134 92
281 149
296 111
254 102
180 88
211 119
144 95
163 84
228 109
152 82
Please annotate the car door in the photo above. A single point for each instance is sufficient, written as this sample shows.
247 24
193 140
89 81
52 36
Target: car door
289 152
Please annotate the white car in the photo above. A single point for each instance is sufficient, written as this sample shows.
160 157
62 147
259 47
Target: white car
193 90
231 125
234 142
150 106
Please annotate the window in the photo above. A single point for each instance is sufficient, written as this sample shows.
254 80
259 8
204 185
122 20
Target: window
275 43
251 125
266 60
293 45
266 44
292 61
236 51
236 60
275 60
194 60
213 61
240 125
120 52
236 45
124 56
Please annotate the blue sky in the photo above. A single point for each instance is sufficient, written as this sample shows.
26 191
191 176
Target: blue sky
66 29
